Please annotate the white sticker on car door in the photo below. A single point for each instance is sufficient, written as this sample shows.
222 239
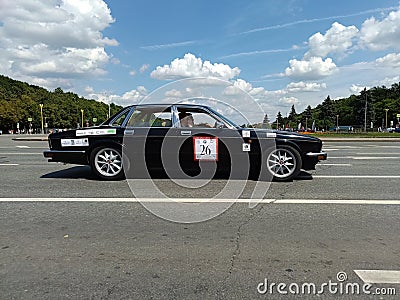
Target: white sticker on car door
205 148
74 142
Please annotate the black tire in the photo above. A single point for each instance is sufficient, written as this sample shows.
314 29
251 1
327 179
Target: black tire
106 163
283 163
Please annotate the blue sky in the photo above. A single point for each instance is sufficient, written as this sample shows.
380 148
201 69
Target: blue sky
280 52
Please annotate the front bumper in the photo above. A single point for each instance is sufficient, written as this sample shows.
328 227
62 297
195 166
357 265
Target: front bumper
67 156
319 155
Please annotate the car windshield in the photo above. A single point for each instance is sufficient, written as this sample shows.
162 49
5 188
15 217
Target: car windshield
226 120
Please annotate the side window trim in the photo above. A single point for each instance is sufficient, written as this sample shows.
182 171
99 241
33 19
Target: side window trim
175 118
198 110
119 115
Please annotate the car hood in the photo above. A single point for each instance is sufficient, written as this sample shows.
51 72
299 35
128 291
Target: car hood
261 133
72 132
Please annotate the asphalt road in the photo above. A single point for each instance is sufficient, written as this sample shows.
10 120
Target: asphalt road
342 217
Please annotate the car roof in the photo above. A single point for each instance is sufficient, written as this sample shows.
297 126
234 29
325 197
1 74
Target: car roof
169 104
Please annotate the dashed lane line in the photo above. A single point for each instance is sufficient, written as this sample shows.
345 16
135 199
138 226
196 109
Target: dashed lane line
211 200
356 176
379 276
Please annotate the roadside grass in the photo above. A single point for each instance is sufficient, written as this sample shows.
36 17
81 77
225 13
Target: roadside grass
356 135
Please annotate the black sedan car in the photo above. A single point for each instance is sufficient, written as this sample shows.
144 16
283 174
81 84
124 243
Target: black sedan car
193 139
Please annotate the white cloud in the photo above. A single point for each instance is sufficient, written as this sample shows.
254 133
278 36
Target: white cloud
391 60
59 63
141 89
314 68
289 101
53 41
191 66
356 89
388 81
338 39
170 45
89 90
144 67
380 35
128 98
132 73
238 87
174 94
305 86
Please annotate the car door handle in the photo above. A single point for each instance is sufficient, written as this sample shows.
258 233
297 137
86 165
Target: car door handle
186 132
129 131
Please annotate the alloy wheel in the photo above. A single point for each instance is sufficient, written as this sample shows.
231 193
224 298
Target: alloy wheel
281 163
108 162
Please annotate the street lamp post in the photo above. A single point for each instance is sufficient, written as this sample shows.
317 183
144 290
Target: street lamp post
82 116
365 111
41 115
386 111
337 123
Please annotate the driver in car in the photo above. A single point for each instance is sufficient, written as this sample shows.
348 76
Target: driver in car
186 119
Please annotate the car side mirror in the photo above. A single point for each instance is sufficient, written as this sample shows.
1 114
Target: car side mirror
219 125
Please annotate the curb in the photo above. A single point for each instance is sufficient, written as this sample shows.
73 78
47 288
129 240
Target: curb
30 139
360 139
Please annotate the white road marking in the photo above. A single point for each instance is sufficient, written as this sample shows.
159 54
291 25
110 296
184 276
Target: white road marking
4 165
147 200
209 200
364 157
22 146
379 276
339 165
337 201
21 153
383 146
375 157
376 153
358 176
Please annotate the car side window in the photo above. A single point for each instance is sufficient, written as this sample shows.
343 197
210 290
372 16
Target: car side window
120 119
196 118
150 118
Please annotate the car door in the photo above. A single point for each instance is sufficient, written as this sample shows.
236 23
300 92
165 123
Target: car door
145 132
206 144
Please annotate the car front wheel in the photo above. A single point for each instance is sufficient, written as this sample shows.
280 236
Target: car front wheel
106 163
284 163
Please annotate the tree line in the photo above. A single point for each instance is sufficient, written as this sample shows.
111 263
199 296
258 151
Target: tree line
377 106
20 107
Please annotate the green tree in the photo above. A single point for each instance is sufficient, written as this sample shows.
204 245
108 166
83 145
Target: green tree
327 113
292 117
265 123
307 117
279 122
20 101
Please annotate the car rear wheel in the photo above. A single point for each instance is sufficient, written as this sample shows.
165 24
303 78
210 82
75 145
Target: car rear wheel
284 163
106 163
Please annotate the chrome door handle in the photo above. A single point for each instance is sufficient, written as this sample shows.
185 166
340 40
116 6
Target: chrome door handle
129 132
186 132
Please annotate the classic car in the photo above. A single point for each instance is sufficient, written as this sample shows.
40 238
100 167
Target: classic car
193 139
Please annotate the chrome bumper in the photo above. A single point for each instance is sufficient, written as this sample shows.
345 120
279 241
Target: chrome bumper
318 156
